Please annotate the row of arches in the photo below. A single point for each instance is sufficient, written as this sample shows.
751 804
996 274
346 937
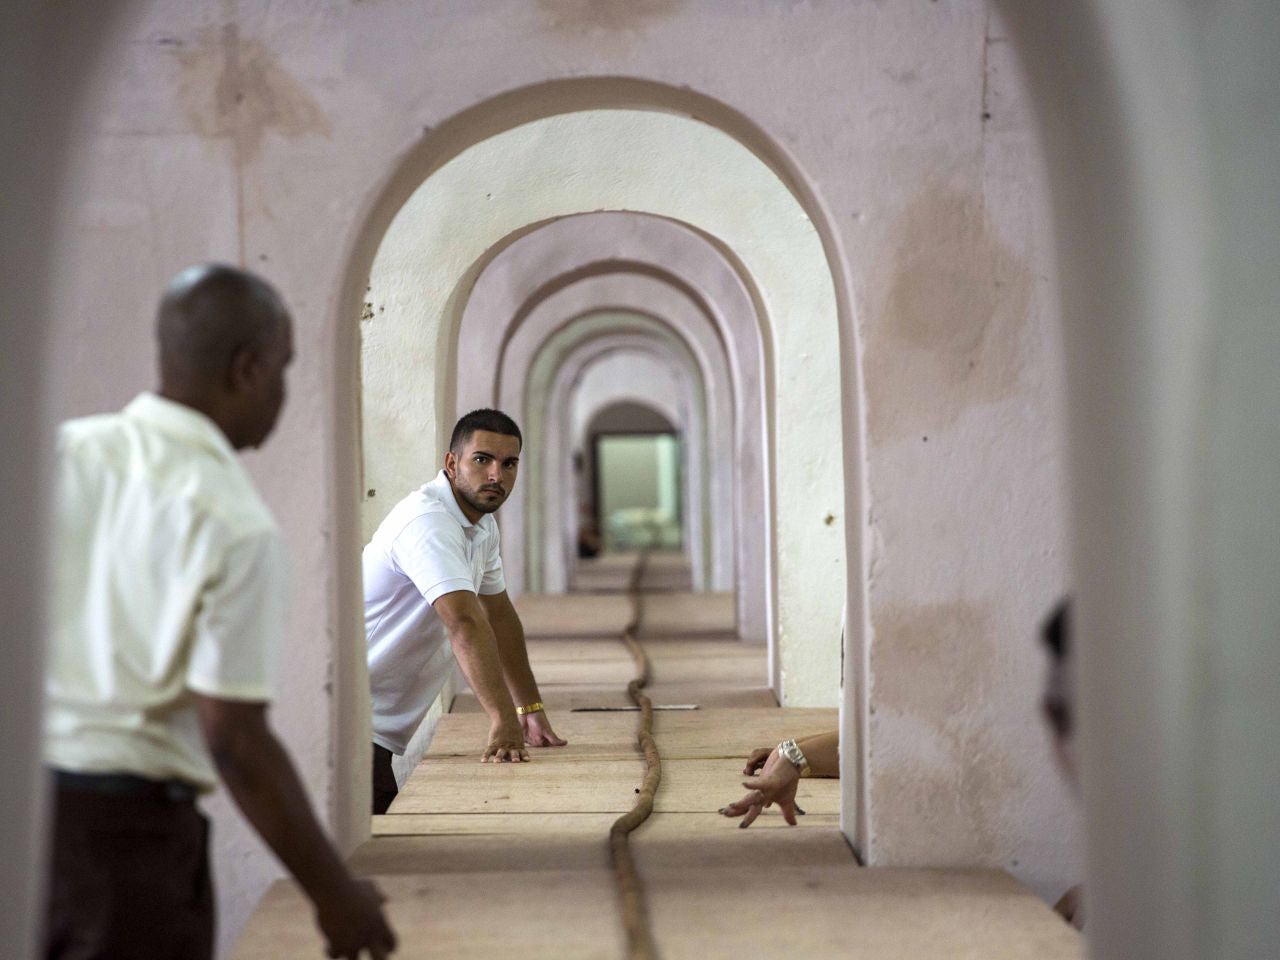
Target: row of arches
628 255
1160 206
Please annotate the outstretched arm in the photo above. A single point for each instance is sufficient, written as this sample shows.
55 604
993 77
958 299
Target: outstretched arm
822 750
509 632
476 648
773 778
261 779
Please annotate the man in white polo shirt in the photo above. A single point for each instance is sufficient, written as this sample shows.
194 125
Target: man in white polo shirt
168 601
433 590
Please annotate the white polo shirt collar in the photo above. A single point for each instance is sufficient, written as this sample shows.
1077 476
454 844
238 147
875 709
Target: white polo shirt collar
182 422
442 490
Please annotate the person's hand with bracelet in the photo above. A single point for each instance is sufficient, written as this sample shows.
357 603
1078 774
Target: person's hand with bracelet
536 726
776 783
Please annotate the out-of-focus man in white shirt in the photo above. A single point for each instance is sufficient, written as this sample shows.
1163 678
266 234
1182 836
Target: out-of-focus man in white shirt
168 601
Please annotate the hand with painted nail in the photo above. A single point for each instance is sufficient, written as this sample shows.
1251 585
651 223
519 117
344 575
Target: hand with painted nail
776 783
774 777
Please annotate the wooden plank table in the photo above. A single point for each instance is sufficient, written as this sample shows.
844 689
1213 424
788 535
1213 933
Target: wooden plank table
684 734
535 914
492 860
726 913
753 907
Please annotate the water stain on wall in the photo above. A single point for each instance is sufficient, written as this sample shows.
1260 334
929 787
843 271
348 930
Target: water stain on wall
585 17
233 87
948 307
940 799
947 813
932 661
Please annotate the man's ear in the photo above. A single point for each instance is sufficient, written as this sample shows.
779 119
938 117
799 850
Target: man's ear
451 464
242 370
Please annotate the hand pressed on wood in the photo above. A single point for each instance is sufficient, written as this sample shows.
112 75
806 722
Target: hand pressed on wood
353 923
776 784
538 732
506 744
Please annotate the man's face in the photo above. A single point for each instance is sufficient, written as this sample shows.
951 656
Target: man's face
484 471
255 390
1057 706
269 386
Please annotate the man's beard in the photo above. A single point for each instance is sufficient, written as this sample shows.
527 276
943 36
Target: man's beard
476 502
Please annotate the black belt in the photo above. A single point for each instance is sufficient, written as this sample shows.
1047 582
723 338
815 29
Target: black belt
127 785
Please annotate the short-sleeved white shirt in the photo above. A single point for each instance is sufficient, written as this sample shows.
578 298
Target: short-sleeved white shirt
425 548
169 578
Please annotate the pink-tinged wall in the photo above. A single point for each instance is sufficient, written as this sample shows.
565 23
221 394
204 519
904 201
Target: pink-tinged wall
287 139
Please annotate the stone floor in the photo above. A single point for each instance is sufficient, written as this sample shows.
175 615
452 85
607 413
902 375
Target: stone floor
483 861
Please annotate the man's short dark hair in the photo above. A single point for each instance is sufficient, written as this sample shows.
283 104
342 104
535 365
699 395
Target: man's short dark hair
1056 630
494 421
207 313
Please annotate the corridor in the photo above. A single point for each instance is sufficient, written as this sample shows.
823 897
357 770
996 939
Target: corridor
905 320
482 861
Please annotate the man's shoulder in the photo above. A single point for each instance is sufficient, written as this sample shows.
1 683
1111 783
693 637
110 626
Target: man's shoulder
416 513
165 468
419 502
96 429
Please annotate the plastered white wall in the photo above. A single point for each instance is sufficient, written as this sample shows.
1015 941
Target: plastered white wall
850 87
614 375
274 134
631 160
1171 341
959 301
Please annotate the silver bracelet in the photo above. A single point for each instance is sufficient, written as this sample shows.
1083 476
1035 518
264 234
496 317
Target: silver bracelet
789 750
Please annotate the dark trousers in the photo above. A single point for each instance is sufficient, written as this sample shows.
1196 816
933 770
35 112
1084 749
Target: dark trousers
384 780
130 878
